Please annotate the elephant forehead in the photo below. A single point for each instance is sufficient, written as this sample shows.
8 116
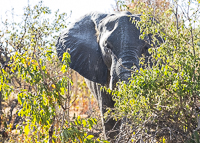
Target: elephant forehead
122 18
119 27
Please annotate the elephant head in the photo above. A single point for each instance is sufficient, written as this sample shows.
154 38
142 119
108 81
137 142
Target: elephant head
103 49
103 46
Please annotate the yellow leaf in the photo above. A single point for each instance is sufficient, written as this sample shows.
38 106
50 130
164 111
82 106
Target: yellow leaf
26 129
36 63
63 69
80 139
169 11
164 140
62 90
53 85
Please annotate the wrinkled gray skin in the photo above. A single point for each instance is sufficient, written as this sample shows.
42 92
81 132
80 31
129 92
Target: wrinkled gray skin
99 44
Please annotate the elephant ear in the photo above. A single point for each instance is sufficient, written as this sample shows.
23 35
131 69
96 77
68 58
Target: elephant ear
81 42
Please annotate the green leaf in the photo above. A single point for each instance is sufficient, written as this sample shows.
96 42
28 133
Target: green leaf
196 136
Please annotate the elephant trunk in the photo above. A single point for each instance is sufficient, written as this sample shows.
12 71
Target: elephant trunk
121 67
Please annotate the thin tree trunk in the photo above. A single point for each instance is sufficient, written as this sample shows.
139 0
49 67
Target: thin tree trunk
0 106
51 130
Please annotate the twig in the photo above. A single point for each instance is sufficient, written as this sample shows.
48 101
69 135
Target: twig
51 130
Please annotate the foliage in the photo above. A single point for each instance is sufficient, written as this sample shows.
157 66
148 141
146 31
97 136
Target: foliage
161 103
75 131
41 81
136 7
5 89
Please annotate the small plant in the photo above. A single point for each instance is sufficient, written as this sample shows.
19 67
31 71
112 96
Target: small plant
76 131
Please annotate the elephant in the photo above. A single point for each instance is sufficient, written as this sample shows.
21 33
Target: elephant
103 49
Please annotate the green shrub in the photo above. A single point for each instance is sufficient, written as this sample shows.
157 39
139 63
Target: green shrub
161 103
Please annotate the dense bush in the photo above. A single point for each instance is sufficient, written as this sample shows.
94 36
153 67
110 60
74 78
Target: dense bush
31 70
161 103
